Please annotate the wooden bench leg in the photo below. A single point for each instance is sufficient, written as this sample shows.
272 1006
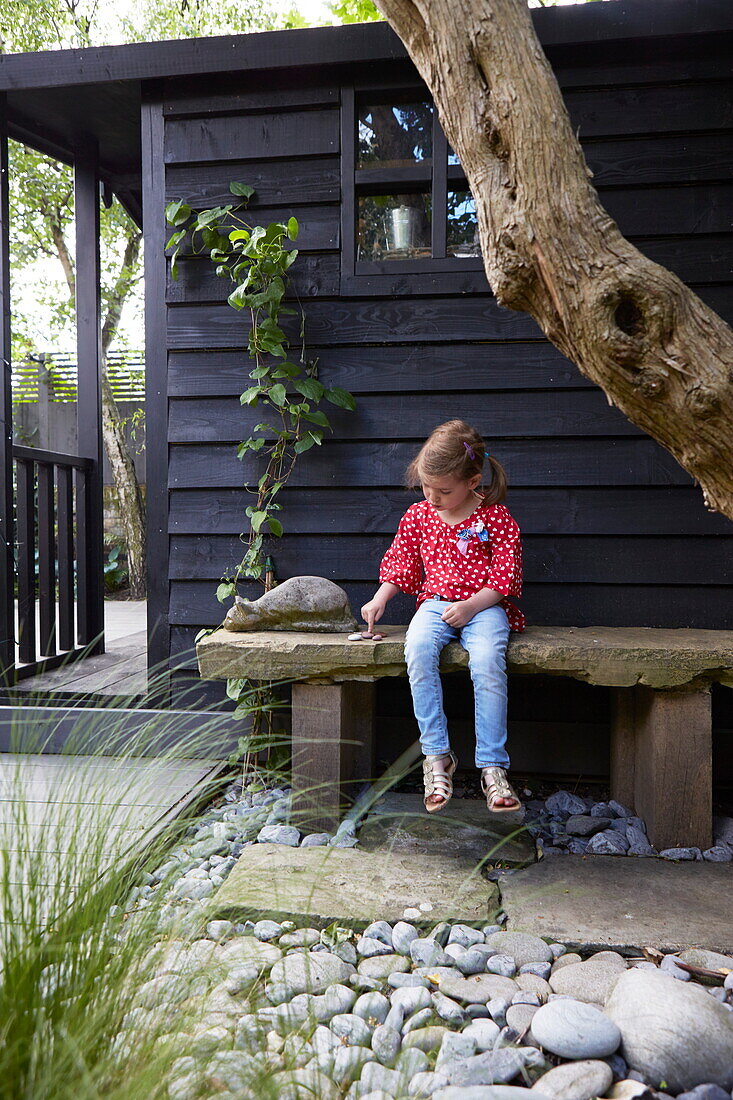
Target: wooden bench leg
661 762
333 745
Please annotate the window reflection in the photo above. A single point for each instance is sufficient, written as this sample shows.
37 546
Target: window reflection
394 227
395 136
463 238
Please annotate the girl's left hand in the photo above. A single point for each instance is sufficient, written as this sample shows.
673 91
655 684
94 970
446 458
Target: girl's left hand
458 614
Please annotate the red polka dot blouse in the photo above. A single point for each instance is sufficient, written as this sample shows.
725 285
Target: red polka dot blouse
427 558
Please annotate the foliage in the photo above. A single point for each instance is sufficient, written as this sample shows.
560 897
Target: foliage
355 11
115 571
256 259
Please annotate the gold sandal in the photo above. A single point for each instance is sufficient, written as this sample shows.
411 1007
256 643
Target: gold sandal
495 785
437 782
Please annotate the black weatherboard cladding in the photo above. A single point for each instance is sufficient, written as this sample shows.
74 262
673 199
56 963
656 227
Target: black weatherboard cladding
615 532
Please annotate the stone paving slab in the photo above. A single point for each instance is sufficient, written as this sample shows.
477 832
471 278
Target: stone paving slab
608 901
320 885
464 828
612 656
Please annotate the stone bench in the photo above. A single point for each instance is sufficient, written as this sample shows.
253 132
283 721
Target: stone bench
661 735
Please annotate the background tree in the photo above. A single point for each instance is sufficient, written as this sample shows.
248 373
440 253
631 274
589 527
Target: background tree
42 209
551 250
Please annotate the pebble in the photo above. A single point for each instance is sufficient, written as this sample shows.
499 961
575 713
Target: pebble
219 929
412 1061
426 952
455 1046
378 930
719 853
521 946
589 981
403 934
704 1092
465 936
484 1033
565 803
681 853
494 1067
575 1081
370 948
410 999
315 840
381 965
309 973
480 988
475 962
574 1029
279 834
419 1020
372 1006
659 1017
501 964
347 1025
448 1009
519 1016
386 1042
542 970
302 937
585 825
425 1038
609 842
398 980
669 966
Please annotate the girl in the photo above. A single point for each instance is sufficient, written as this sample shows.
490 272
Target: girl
459 552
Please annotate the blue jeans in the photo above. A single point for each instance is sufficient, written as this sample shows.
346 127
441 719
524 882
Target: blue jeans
485 637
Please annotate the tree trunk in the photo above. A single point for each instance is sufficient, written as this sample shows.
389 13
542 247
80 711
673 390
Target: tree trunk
550 249
129 496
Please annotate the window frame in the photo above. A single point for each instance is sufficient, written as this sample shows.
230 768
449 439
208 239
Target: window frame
438 273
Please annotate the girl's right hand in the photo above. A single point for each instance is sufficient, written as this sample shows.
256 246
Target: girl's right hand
372 612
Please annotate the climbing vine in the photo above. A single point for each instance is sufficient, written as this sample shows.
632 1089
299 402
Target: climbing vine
257 260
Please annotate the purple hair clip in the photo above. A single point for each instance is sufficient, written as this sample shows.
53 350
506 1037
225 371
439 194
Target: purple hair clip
469 448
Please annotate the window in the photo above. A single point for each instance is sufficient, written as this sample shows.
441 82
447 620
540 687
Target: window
408 217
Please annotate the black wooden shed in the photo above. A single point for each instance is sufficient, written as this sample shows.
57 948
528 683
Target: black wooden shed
615 532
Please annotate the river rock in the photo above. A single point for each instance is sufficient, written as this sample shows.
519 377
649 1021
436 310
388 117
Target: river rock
299 603
564 803
519 1017
609 842
484 1032
487 1092
521 946
279 834
573 1029
585 825
425 1038
575 1081
403 935
309 973
710 960
478 989
495 1067
590 981
247 951
380 966
424 952
672 1031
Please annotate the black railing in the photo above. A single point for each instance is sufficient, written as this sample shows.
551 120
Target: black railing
56 563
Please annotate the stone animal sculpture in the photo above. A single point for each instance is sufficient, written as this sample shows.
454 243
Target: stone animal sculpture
300 603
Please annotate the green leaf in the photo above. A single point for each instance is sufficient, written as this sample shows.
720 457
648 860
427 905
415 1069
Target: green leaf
225 590
239 235
234 688
276 526
340 397
317 417
293 228
257 519
238 298
176 238
277 394
250 396
177 213
291 257
242 189
310 388
304 444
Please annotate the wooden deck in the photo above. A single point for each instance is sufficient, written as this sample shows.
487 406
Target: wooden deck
121 671
103 809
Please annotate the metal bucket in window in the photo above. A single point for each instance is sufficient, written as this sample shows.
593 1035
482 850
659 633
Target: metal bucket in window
402 228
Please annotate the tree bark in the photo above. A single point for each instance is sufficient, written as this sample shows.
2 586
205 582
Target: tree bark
129 494
550 249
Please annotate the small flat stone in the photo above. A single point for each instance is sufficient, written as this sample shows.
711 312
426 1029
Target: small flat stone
279 834
381 965
315 840
669 965
465 936
308 973
403 934
378 930
519 1016
478 989
565 960
710 960
425 1038
386 1043
484 1033
681 853
370 948
494 1067
575 1081
563 802
719 853
486 1092
373 1006
574 1029
266 930
455 1046
590 981
501 964
448 1009
424 952
521 946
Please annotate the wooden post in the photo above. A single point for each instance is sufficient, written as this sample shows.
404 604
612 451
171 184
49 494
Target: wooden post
661 762
90 520
333 746
7 526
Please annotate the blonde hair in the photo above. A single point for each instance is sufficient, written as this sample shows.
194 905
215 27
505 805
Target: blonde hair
455 449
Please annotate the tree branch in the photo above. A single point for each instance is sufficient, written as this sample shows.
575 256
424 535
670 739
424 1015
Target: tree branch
550 249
